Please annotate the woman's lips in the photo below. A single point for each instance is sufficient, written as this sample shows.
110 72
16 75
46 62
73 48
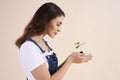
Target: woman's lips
55 33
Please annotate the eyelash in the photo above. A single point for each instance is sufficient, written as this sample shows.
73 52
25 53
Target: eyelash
58 25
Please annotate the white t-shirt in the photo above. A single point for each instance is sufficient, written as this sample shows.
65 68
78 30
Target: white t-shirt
31 57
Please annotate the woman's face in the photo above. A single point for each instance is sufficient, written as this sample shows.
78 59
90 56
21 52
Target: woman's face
54 26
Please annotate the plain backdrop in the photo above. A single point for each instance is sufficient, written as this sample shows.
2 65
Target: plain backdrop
95 22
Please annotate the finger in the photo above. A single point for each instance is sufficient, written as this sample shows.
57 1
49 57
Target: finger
90 54
89 58
81 54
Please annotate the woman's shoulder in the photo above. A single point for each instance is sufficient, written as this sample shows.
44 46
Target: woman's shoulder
27 45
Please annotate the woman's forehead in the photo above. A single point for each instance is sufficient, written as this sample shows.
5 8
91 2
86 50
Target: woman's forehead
58 19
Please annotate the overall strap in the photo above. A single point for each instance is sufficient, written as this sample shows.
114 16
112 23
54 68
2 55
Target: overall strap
47 45
36 44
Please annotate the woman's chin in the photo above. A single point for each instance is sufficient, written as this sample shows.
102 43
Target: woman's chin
52 36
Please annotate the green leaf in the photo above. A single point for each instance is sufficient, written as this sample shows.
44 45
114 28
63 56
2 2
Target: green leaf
78 44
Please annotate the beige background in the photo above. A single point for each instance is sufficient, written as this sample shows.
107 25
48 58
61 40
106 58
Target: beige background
96 22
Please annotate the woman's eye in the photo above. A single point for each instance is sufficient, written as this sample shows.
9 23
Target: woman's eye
58 24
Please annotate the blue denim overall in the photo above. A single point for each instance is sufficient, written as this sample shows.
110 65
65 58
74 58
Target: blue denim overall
51 59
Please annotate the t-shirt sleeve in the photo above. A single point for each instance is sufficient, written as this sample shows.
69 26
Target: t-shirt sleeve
30 56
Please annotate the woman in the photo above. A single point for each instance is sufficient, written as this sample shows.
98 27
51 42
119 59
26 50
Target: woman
36 56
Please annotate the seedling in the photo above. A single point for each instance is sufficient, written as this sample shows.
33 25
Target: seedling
78 45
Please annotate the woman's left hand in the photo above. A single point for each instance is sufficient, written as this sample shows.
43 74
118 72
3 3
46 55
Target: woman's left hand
86 58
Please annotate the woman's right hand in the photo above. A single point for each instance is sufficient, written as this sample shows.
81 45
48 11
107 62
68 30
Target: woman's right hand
77 57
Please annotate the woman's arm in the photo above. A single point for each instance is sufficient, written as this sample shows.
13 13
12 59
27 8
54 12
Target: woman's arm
75 57
42 73
59 74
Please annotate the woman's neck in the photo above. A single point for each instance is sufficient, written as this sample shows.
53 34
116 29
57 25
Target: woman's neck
41 42
38 38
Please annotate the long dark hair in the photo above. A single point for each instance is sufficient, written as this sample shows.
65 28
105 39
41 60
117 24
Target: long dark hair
41 18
